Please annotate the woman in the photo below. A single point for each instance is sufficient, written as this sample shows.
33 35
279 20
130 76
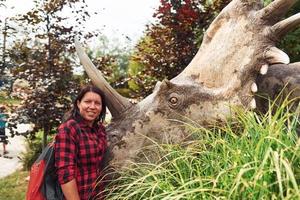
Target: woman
80 145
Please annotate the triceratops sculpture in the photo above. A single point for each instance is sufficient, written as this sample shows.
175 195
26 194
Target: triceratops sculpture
238 45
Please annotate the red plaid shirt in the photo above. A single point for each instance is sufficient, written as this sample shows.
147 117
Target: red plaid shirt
79 151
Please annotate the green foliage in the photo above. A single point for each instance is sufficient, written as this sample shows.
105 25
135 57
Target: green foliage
34 148
252 157
266 2
291 45
14 186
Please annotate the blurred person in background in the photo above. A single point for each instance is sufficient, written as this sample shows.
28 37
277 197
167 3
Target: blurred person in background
3 120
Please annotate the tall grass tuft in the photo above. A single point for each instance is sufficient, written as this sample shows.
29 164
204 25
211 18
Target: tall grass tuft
251 157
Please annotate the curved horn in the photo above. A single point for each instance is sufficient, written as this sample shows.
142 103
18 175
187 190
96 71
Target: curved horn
283 27
116 103
277 8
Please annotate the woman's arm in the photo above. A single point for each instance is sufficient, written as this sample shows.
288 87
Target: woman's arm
65 161
70 190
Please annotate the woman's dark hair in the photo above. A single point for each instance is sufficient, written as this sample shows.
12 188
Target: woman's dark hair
75 110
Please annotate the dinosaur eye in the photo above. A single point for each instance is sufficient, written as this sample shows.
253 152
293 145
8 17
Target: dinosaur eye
173 100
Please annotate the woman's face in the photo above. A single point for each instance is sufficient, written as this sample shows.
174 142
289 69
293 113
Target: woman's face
90 106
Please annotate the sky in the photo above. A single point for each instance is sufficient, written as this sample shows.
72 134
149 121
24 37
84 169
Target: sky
127 17
115 18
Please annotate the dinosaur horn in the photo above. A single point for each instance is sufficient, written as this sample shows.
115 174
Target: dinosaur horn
277 8
281 28
116 103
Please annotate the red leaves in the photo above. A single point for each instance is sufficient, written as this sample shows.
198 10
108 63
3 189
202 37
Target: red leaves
164 8
187 14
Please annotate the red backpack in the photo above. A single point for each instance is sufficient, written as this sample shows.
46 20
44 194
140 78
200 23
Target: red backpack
43 183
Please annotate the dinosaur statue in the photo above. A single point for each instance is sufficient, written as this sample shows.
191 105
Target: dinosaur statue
238 45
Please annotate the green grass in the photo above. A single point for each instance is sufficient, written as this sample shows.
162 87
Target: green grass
252 157
14 186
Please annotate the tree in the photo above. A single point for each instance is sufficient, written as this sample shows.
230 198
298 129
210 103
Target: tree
45 59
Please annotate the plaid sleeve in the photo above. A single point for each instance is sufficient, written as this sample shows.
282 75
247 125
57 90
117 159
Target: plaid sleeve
65 153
